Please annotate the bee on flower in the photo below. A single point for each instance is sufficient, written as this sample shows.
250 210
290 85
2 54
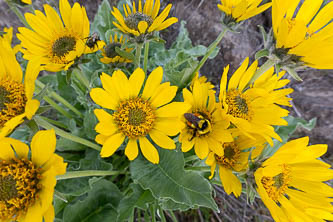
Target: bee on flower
206 123
57 41
141 22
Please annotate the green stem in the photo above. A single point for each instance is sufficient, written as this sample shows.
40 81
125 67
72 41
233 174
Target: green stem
60 99
266 66
18 13
145 61
152 213
138 54
43 123
199 168
173 216
163 219
81 77
211 49
60 196
87 173
54 122
57 107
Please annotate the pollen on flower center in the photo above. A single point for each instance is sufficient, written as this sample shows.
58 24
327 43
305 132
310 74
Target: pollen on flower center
231 155
12 100
110 49
277 185
135 117
63 46
133 20
238 105
19 185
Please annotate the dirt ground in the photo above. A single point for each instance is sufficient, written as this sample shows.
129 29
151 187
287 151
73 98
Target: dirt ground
312 98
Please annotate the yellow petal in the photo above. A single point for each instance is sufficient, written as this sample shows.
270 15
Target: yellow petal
162 140
112 144
131 150
142 26
136 81
174 109
148 150
43 145
201 148
6 152
153 81
21 149
230 182
31 108
103 98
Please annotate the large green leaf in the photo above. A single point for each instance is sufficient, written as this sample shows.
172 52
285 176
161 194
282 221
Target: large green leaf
169 180
139 198
99 205
103 19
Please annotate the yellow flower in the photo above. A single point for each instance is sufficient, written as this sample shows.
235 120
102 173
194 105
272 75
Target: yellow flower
27 179
56 42
206 123
137 115
233 159
290 183
143 21
305 36
16 101
109 51
241 10
254 108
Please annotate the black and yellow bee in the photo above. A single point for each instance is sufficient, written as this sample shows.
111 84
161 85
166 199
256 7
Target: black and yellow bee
92 41
198 123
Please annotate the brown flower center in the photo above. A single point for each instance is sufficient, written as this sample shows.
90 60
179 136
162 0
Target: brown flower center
19 185
133 20
135 117
12 100
63 46
238 105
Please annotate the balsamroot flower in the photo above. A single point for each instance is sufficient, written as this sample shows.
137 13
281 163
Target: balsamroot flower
28 178
305 37
290 183
137 115
239 10
16 101
254 108
109 51
56 42
206 123
143 21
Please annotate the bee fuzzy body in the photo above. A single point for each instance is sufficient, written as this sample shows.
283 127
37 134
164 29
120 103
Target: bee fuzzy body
92 41
198 123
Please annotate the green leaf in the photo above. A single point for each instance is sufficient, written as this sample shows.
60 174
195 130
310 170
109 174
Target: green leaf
89 123
99 205
125 54
171 205
169 180
261 53
139 198
293 73
103 19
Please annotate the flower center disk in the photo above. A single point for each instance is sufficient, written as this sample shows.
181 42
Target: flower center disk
135 117
12 100
277 185
133 20
110 50
238 105
63 45
231 155
19 185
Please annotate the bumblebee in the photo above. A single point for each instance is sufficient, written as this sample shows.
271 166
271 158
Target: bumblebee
198 123
92 41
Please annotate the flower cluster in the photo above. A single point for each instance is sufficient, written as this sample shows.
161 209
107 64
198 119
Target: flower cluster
142 111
